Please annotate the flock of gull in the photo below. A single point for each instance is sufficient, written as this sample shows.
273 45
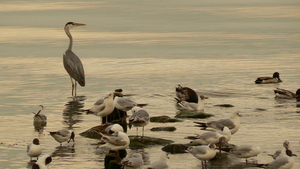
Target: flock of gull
114 138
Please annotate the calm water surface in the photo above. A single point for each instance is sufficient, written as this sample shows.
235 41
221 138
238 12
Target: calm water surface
147 48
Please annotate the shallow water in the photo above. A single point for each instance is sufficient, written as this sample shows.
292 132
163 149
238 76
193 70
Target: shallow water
216 48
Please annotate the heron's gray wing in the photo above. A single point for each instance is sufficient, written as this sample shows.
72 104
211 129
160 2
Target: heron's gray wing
74 67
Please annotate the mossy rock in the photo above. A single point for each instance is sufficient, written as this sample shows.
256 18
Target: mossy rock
169 128
224 105
192 114
91 133
138 142
164 119
175 148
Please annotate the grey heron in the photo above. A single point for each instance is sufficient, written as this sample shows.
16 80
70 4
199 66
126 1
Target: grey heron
71 61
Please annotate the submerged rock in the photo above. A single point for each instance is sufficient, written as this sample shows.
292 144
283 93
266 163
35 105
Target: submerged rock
137 142
224 105
169 128
164 119
192 114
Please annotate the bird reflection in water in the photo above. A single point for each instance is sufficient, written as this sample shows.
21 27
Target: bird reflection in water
72 114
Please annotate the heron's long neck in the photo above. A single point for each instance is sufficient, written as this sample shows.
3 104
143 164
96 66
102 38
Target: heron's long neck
70 37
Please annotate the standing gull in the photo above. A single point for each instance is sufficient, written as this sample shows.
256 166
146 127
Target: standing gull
103 107
63 135
71 61
267 79
34 149
139 118
203 153
233 123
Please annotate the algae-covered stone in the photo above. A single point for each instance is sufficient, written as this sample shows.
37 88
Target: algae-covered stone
192 114
137 142
163 119
224 105
169 128
175 148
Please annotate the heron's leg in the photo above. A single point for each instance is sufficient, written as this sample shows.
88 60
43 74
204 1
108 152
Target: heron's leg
143 132
137 131
75 86
72 85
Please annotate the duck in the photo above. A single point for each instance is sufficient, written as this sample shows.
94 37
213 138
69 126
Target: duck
186 94
203 153
139 118
63 135
233 123
286 94
267 79
42 162
34 149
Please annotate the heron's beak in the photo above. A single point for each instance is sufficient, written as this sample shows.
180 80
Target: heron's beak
79 24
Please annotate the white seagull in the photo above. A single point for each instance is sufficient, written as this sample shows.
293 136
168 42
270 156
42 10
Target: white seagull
285 161
162 163
34 149
103 107
42 162
139 118
63 135
133 161
124 104
212 137
233 123
203 153
117 141
191 105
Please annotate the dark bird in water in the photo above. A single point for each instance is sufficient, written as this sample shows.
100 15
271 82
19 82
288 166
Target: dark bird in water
268 79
